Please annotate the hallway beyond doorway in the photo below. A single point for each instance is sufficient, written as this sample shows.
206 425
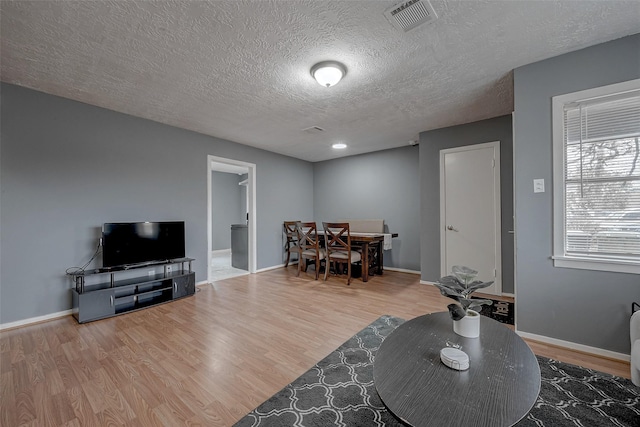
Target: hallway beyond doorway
221 266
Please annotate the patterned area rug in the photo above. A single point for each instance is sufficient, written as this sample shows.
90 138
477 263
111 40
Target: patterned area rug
339 391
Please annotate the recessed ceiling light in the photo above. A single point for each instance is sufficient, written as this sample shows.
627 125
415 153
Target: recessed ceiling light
339 146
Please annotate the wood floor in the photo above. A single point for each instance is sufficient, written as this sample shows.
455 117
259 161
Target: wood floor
203 360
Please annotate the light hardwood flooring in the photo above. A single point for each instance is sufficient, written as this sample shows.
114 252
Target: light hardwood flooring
207 359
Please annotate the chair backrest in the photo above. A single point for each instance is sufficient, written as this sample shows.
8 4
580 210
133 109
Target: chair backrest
337 236
290 231
307 235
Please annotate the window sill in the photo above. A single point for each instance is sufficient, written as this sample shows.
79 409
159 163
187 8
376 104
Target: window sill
598 264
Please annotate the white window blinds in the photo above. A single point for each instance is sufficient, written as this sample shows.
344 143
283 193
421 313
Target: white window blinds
602 176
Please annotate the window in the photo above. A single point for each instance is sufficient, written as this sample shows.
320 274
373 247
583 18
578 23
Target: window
596 175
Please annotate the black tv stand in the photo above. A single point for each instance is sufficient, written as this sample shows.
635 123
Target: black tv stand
127 289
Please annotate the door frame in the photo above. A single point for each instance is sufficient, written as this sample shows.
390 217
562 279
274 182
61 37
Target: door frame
497 206
251 208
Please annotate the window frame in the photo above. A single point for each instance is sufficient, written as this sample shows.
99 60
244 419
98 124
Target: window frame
560 257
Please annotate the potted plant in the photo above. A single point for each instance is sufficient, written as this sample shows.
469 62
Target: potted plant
459 286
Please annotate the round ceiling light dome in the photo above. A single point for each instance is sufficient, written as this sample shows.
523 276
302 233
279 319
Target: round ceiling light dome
328 73
339 146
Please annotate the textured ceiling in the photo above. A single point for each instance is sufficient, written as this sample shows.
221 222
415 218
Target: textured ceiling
239 70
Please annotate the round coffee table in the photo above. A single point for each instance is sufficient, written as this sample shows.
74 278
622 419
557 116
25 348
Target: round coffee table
499 388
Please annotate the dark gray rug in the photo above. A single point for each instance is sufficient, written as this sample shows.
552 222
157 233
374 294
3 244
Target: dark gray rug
339 391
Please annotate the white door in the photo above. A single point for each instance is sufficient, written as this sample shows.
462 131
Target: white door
470 211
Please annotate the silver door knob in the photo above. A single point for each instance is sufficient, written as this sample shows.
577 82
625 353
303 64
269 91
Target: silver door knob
451 228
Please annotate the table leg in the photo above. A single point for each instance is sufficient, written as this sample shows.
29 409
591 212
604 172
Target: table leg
380 257
365 261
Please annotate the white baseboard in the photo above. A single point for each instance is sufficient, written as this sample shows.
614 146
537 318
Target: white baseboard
33 320
202 283
273 267
575 346
426 282
221 251
401 270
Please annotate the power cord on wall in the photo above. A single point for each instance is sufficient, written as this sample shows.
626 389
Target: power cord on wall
76 270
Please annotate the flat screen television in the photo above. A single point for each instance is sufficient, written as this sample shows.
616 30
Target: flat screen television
127 243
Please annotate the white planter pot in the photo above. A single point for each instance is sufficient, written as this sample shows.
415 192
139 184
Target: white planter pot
469 325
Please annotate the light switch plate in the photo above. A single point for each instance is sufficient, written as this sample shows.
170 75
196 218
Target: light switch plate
538 185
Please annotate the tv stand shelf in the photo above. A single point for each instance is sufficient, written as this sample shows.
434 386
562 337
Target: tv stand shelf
102 292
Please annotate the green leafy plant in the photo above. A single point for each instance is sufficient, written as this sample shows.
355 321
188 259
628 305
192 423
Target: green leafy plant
459 286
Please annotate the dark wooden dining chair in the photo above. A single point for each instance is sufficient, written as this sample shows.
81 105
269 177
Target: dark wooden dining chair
310 249
337 242
291 244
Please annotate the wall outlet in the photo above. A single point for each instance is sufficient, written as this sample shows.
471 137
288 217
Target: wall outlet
168 269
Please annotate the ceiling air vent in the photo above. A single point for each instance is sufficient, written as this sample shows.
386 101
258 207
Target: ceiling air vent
313 130
409 14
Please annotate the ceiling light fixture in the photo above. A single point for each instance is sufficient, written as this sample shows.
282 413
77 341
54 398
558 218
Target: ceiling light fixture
328 73
339 146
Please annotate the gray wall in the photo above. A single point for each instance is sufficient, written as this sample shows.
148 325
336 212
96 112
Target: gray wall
227 204
381 185
581 306
68 167
431 142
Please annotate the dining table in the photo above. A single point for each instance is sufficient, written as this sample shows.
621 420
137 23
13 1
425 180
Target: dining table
372 246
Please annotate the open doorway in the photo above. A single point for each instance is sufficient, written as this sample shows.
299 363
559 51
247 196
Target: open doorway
221 260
